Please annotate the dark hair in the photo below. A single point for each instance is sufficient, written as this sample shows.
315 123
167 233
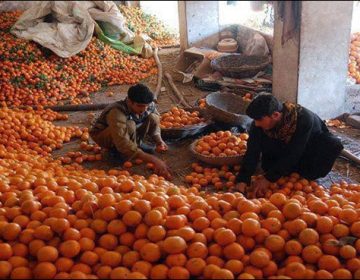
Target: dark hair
263 105
140 93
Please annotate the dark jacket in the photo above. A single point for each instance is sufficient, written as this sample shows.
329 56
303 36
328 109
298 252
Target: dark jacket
278 158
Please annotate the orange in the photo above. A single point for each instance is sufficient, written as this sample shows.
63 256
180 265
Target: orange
311 254
308 237
278 199
70 248
293 248
342 273
176 260
178 272
195 266
5 251
234 251
174 245
273 225
44 270
150 252
110 258
159 271
329 263
347 252
225 237
21 273
295 270
108 241
5 269
274 243
47 254
11 231
142 267
197 250
250 227
259 259
292 210
119 273
132 218
129 258
324 225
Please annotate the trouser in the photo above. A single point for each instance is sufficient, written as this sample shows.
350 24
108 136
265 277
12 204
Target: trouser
150 127
317 159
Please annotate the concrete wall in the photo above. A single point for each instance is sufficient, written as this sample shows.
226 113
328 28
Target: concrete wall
352 99
285 63
199 23
324 41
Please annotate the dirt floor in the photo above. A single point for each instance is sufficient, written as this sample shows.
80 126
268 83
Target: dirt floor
179 157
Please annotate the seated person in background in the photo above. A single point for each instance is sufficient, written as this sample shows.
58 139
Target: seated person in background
124 124
288 138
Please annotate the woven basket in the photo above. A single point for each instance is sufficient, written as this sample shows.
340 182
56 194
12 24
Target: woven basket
218 161
189 130
239 65
227 108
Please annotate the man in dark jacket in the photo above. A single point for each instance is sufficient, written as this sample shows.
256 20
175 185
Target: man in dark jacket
288 138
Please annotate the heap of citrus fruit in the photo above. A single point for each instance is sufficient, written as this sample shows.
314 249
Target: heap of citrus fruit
69 222
140 22
32 75
221 144
354 57
177 117
222 178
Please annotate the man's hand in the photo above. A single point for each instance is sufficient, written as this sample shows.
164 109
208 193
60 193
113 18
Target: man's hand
162 169
161 147
260 187
241 187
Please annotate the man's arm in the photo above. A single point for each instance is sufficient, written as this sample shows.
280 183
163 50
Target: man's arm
294 150
120 135
251 157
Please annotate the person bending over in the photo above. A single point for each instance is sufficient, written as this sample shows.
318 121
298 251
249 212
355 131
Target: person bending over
287 138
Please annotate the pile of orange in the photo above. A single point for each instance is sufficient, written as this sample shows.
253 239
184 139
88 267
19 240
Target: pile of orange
69 222
220 179
354 57
30 75
177 117
222 144
140 22
32 132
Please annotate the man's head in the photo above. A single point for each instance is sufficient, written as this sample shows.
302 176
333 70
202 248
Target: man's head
266 111
139 98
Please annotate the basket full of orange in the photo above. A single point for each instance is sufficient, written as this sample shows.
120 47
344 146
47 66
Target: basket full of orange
220 148
179 123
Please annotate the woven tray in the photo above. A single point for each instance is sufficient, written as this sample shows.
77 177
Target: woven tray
227 108
218 161
239 65
189 130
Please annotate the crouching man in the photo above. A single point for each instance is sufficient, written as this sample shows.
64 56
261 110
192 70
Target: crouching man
287 138
123 126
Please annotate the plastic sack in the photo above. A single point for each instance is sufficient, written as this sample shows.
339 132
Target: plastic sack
256 46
